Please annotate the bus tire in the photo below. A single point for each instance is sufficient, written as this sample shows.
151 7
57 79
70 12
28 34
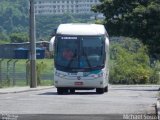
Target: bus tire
106 89
100 90
60 91
72 91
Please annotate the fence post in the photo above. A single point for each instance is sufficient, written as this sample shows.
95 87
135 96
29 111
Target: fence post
8 79
14 70
27 72
1 71
158 77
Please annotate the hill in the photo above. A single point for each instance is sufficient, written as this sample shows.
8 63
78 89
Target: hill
14 18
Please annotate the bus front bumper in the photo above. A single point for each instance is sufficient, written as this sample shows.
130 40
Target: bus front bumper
95 83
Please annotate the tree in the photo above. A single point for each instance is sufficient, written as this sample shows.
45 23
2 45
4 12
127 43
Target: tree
19 37
45 25
133 18
130 63
13 13
3 36
14 18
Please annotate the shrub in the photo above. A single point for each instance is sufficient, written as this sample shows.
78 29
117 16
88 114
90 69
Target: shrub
130 63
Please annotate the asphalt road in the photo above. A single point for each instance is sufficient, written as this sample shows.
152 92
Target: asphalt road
119 103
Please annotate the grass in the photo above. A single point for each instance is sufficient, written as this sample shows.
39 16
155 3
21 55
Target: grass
22 83
21 64
48 65
47 83
20 68
43 83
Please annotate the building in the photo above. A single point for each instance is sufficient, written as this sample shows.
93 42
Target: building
58 7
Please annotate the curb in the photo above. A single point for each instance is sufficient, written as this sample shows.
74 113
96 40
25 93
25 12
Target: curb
21 89
158 108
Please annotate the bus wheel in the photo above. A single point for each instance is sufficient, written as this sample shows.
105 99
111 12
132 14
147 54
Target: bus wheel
72 91
100 90
60 91
106 89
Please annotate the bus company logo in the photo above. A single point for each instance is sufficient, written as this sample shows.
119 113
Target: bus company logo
78 78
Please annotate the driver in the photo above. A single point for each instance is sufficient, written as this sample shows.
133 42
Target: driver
68 54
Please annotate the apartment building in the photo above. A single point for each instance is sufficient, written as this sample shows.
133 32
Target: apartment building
57 7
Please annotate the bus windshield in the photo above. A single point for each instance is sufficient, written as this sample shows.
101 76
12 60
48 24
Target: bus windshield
80 53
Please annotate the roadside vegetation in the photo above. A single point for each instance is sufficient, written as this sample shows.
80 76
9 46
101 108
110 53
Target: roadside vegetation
131 64
22 74
133 18
134 59
14 22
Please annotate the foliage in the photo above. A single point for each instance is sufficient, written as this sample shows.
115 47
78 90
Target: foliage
45 25
99 22
133 18
130 63
14 18
40 69
3 36
3 41
156 72
13 14
19 37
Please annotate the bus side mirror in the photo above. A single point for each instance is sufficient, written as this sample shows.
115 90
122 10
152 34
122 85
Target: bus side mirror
54 32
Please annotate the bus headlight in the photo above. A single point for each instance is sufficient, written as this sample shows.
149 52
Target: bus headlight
97 75
60 75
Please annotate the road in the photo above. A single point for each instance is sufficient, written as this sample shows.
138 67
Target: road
44 104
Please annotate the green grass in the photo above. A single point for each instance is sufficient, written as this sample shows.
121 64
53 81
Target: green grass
47 83
21 83
21 64
20 67
48 65
43 83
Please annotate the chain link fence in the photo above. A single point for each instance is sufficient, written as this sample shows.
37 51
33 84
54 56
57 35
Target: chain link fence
16 72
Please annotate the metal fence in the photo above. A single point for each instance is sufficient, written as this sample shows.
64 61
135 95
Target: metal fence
16 72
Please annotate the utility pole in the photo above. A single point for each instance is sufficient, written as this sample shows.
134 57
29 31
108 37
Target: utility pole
33 74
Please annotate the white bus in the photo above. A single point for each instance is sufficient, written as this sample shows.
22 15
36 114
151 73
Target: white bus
81 58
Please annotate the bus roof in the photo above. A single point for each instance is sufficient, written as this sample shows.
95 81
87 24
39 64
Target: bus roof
81 29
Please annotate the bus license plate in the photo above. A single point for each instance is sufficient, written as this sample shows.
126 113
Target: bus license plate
78 83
